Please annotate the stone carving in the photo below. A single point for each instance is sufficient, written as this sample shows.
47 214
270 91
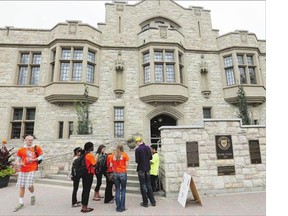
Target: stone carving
119 7
203 65
163 32
119 63
243 36
197 11
72 28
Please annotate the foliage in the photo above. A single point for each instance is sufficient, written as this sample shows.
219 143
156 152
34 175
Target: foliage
82 111
6 167
243 107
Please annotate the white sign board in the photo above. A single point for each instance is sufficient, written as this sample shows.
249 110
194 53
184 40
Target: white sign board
183 193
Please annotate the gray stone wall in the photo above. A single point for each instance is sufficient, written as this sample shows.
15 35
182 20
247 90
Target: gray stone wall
173 157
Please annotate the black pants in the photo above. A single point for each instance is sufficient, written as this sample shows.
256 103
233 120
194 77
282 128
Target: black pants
99 181
145 187
75 189
108 191
154 183
87 181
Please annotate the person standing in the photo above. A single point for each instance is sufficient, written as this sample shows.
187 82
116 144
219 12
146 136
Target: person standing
87 179
143 156
154 168
100 158
108 198
75 179
120 161
27 162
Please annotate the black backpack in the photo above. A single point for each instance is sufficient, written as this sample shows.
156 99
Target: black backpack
101 166
79 168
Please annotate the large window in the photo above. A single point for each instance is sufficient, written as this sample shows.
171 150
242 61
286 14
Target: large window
22 122
207 112
29 68
228 65
72 62
118 122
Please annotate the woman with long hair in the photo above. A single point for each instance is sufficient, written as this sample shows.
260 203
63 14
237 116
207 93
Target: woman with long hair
100 155
109 198
119 164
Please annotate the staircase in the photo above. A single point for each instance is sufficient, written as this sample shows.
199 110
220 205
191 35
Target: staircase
61 179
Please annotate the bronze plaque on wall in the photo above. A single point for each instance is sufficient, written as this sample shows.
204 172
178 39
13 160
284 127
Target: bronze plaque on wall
254 149
226 170
192 154
224 147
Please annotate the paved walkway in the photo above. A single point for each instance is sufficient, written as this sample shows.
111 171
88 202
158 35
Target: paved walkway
56 200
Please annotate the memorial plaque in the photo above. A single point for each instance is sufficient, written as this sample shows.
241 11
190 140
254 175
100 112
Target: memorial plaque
192 154
226 170
255 154
224 147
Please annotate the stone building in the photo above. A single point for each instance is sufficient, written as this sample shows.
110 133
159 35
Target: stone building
151 64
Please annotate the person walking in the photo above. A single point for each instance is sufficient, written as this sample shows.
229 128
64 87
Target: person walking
87 179
27 162
100 158
143 156
109 198
120 161
75 179
154 168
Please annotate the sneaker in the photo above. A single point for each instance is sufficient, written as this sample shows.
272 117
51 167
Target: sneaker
76 205
18 207
154 204
33 200
144 205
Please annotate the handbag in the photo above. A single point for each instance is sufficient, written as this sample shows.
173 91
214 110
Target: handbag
35 150
110 176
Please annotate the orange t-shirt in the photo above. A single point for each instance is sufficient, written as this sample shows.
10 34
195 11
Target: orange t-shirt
28 152
90 162
120 165
109 163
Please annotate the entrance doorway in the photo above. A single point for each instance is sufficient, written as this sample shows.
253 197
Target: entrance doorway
156 123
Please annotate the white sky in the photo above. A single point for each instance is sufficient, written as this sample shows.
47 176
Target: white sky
227 16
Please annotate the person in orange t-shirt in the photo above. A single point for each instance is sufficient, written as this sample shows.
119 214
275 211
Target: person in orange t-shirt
120 163
87 179
109 198
27 161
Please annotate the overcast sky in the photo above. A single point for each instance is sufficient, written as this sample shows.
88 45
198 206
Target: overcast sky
227 16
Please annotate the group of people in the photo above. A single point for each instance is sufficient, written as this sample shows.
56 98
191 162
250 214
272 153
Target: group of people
116 161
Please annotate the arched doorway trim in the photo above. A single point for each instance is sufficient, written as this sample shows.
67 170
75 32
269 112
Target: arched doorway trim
165 110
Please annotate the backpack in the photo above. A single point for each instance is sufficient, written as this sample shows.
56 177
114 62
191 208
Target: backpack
101 166
35 150
79 168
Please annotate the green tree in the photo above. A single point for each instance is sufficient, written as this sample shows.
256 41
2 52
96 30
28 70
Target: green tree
243 107
82 111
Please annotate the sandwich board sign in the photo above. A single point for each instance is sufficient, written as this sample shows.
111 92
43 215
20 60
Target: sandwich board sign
187 183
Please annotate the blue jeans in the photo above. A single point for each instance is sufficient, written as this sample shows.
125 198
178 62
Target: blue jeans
120 180
145 187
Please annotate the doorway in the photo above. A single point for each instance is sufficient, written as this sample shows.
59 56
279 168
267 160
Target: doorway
156 123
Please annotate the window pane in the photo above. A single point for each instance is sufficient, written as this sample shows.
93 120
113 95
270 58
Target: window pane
170 73
60 135
29 128
77 70
23 75
91 56
169 57
228 61
159 73
147 75
16 130
242 75
78 54
24 58
118 129
230 76
30 114
90 73
146 58
66 53
18 113
36 59
35 73
71 126
240 59
64 73
119 113
206 112
252 76
250 60
158 56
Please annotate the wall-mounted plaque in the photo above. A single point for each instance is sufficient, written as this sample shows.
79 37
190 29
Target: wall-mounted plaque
224 147
192 154
226 170
254 149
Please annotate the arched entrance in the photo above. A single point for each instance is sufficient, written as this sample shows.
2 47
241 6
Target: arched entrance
156 123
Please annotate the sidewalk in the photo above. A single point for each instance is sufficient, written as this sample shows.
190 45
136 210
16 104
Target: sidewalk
56 200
